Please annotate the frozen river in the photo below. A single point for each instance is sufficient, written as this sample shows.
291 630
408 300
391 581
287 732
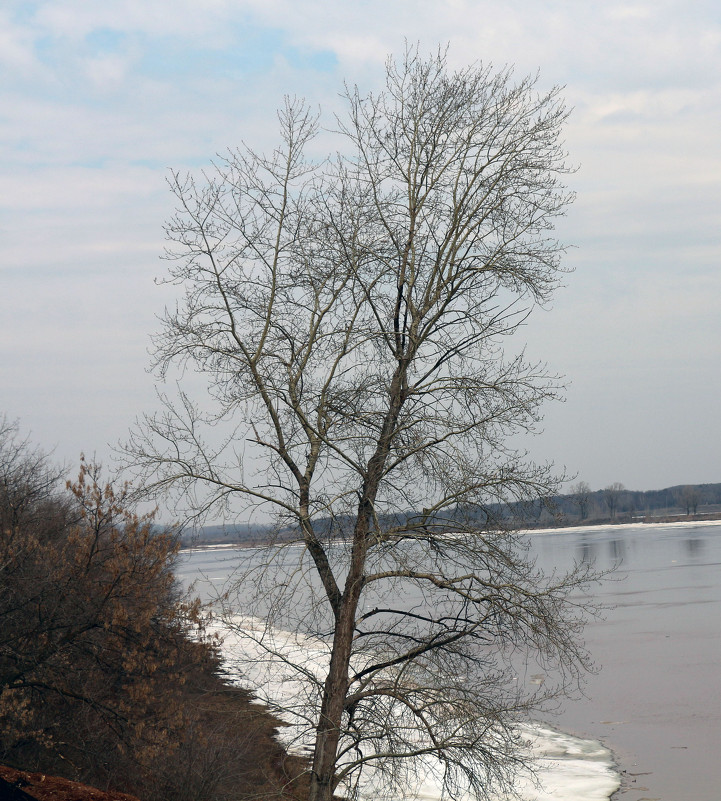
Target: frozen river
657 699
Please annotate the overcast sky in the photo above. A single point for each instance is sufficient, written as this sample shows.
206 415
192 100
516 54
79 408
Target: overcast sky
99 99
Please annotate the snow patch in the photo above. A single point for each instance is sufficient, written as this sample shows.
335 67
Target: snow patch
565 767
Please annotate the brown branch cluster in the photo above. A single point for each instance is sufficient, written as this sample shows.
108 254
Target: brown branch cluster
106 675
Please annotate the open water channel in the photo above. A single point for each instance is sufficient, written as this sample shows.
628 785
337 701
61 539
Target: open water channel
656 699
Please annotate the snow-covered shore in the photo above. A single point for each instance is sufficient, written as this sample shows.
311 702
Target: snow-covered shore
564 767
604 528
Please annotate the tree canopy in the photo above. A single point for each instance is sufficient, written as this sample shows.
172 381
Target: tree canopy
349 317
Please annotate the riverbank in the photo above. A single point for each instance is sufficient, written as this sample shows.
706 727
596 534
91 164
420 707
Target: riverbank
570 528
672 523
560 766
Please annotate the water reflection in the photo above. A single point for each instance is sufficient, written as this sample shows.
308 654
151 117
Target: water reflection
617 550
695 546
587 546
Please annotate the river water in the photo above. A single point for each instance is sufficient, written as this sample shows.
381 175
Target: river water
656 699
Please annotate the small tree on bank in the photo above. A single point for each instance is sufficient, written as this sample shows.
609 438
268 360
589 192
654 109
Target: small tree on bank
581 494
348 317
612 497
690 498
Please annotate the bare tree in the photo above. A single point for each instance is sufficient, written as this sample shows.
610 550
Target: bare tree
581 493
612 496
690 497
348 317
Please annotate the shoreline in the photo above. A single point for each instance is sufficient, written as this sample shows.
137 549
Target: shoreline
570 766
636 526
568 529
619 759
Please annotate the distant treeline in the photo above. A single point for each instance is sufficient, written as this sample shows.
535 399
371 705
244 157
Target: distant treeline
617 502
579 504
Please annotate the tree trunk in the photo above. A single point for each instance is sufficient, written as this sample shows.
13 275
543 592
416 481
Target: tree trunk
331 713
334 695
336 684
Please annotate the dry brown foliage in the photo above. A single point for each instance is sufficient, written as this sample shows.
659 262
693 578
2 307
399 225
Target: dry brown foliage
105 673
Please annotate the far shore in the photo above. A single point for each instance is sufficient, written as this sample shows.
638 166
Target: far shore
684 521
661 522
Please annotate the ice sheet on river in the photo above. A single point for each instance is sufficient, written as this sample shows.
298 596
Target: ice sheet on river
567 768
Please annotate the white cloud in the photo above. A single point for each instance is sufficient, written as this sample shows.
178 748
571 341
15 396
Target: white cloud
75 19
88 130
16 45
629 11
